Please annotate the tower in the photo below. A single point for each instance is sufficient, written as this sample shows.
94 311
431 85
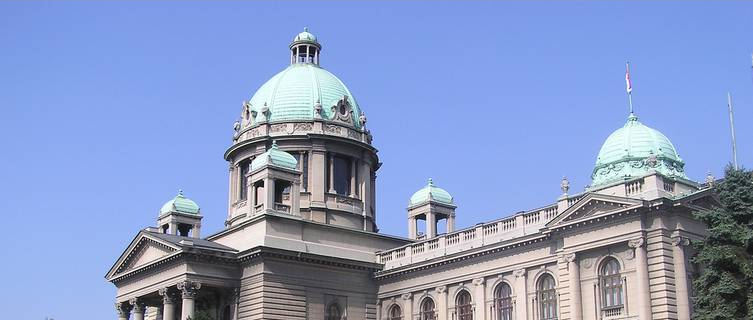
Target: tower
314 118
430 204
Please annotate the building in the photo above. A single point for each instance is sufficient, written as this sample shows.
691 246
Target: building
301 238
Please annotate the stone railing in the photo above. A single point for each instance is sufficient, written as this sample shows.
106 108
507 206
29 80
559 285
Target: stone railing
482 234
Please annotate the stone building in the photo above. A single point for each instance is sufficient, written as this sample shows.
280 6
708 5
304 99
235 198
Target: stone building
301 238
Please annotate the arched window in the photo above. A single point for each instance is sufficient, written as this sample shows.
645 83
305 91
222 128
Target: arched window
427 310
611 284
547 295
503 302
463 306
334 312
395 313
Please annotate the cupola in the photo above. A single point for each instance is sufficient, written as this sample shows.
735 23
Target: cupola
180 216
431 204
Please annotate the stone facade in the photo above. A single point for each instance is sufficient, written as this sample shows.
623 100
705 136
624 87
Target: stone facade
301 238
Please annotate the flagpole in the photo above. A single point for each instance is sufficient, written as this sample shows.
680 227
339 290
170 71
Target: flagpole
629 85
630 99
732 128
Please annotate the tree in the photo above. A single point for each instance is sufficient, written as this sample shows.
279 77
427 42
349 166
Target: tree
724 288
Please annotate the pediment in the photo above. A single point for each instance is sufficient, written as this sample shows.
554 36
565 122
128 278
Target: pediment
143 250
594 205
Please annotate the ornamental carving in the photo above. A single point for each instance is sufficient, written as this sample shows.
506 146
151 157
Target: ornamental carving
138 305
302 127
636 243
168 295
332 129
344 200
478 281
652 161
253 133
681 241
570 257
282 127
587 263
342 111
519 273
565 185
123 309
441 289
189 288
406 296
318 110
353 134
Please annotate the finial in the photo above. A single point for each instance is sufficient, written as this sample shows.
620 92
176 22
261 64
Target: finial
709 178
305 29
180 192
564 185
274 144
431 182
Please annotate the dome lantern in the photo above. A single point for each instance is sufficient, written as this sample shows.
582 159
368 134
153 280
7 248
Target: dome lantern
305 48
180 216
430 204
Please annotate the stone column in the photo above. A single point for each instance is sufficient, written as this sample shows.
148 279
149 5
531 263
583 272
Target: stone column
188 289
138 308
230 191
269 191
681 277
236 299
168 303
480 312
573 269
441 303
331 174
295 198
196 232
412 228
301 156
123 309
407 306
644 294
450 223
431 225
521 294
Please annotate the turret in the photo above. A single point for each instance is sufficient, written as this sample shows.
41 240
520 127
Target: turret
431 204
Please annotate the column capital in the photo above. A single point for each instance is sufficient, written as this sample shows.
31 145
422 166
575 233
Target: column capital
571 257
478 281
680 241
189 288
168 295
137 305
519 273
636 243
441 289
123 309
406 296
235 296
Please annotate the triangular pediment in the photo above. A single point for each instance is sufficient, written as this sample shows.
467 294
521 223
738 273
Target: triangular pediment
702 200
594 205
142 251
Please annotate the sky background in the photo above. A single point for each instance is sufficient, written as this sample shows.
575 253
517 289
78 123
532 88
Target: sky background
107 109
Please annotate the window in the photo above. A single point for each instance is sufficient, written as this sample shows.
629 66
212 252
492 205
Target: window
243 180
547 295
342 175
395 313
503 302
334 312
611 284
427 310
463 306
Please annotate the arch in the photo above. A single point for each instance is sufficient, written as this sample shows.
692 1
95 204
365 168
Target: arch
427 309
546 293
333 311
503 304
610 281
599 261
395 312
464 305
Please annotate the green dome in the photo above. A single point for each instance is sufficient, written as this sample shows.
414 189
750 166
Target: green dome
180 204
633 151
275 157
431 193
305 36
294 93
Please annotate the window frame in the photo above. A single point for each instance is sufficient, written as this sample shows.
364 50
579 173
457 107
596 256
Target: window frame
610 281
430 314
503 305
464 311
547 297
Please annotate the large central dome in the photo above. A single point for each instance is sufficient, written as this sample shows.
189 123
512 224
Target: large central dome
304 87
633 151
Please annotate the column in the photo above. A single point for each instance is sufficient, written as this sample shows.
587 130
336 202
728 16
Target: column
196 232
379 309
295 198
521 294
480 298
451 223
353 165
236 302
681 277
331 174
123 309
644 294
573 270
188 289
441 303
302 155
269 192
230 191
407 306
168 303
138 308
431 225
412 228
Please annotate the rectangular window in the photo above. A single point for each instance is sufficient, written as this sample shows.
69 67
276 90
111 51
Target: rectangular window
342 175
243 180
305 182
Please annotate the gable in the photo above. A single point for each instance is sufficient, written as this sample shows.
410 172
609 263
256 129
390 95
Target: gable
594 205
142 251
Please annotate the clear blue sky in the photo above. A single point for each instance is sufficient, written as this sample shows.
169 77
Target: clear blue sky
108 108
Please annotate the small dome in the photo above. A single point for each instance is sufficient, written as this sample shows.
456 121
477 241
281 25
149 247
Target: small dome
633 151
275 157
180 204
431 193
294 93
305 36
